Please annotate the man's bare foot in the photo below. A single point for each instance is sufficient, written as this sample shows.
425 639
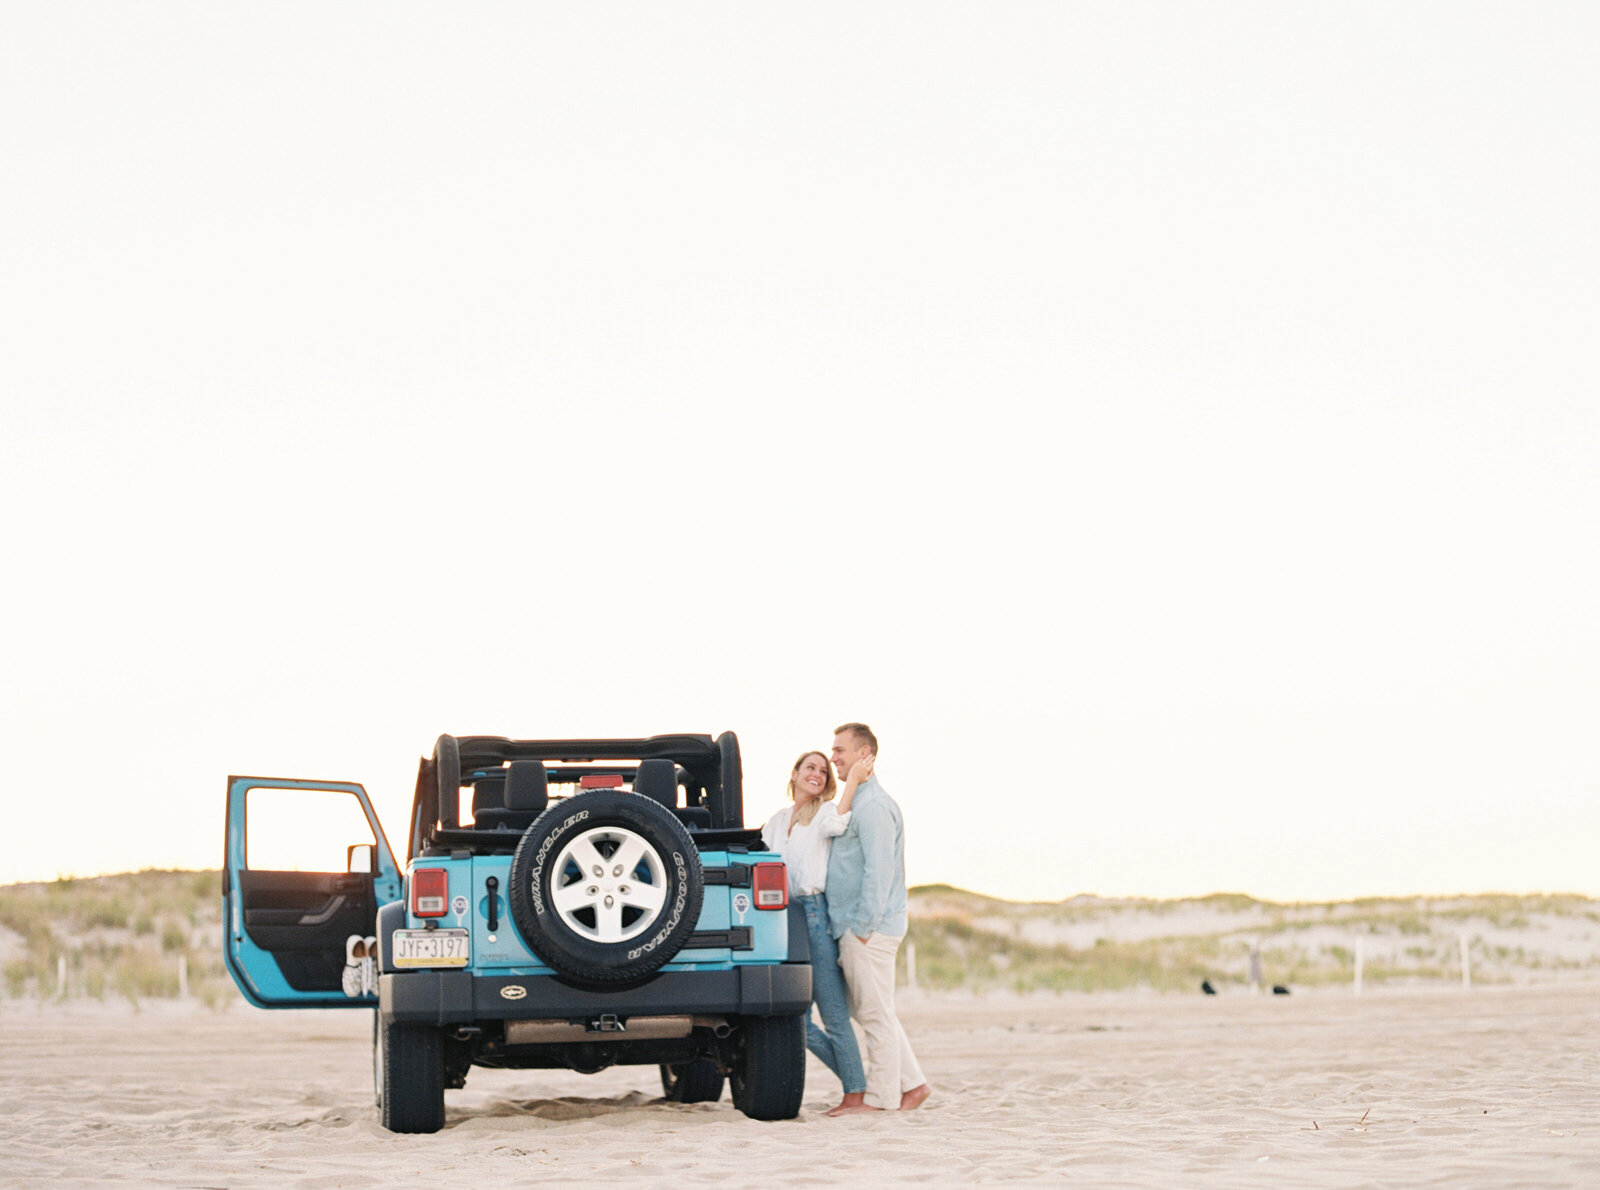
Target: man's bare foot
913 1098
854 1101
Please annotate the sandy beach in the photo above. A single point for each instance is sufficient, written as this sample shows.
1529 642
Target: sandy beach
1489 1087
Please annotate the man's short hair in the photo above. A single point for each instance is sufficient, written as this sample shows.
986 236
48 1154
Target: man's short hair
861 733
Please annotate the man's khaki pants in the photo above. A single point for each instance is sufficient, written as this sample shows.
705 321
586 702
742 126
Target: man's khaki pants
869 974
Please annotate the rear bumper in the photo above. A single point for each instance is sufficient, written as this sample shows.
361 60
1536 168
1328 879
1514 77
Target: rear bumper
459 997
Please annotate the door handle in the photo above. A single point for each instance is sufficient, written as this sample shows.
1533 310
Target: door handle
324 915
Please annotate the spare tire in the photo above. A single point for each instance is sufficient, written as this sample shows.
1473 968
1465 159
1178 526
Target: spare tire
606 887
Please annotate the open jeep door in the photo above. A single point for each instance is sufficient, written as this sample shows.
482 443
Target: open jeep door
306 866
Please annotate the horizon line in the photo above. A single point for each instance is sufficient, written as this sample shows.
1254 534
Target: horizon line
938 886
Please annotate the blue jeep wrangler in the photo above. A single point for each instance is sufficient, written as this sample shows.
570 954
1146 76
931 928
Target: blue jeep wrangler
601 903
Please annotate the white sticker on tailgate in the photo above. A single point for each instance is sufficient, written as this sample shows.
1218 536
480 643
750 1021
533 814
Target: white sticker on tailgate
430 948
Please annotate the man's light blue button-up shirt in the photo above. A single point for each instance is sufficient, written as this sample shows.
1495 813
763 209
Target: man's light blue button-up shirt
867 868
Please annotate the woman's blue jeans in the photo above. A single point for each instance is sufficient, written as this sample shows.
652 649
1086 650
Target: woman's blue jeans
835 1041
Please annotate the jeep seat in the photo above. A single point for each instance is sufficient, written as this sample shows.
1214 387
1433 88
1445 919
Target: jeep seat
527 793
696 818
658 781
488 793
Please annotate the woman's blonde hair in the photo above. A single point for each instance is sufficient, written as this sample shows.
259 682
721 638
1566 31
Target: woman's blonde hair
807 812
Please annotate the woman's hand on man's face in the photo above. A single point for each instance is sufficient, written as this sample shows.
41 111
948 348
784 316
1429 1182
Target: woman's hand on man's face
861 769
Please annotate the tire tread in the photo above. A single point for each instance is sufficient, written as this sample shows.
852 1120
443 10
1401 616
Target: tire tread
413 1077
769 1067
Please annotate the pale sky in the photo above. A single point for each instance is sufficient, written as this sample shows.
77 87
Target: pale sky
1173 427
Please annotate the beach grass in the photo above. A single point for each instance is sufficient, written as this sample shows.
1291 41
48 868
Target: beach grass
134 936
157 934
959 939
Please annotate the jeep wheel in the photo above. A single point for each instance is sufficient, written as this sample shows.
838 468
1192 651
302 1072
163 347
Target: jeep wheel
692 1082
606 887
412 1092
769 1067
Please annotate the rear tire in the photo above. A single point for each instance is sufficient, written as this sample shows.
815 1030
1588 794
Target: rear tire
412 1094
692 1082
769 1067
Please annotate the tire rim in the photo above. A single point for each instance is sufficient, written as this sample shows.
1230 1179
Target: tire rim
610 884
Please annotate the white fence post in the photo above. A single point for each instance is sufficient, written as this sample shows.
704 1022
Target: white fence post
1466 963
183 977
911 965
1358 966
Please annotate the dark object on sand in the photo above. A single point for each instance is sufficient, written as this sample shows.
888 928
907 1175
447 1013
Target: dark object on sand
1279 990
1205 986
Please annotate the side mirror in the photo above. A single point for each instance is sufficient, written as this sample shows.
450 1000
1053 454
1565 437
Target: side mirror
360 858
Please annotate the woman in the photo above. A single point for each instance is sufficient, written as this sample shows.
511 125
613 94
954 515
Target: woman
803 835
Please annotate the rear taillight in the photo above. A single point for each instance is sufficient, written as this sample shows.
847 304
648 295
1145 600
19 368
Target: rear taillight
430 892
770 883
601 781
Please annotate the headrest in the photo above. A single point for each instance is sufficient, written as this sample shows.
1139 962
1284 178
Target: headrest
488 793
527 786
658 781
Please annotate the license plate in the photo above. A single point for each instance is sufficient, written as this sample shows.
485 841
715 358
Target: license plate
430 948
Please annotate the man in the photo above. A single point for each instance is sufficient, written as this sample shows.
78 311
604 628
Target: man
867 911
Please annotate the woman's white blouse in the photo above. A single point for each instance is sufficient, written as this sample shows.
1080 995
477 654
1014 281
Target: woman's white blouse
805 849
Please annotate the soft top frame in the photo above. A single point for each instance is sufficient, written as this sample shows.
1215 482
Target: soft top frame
711 768
485 750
